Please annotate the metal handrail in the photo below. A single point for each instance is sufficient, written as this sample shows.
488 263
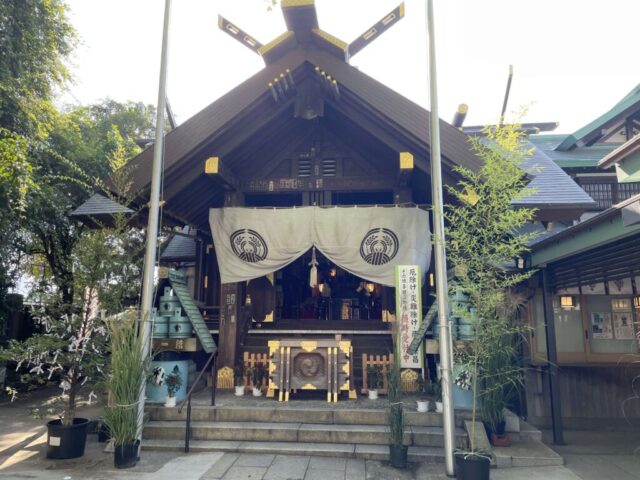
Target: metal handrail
214 381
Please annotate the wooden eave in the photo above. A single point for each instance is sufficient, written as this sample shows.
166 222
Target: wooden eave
620 153
228 126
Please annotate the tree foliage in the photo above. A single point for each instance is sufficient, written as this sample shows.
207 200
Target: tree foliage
483 239
36 40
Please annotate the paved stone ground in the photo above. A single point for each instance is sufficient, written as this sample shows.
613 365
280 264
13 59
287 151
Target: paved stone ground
589 455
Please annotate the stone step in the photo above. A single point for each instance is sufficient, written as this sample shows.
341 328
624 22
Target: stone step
293 415
298 432
527 453
367 452
527 433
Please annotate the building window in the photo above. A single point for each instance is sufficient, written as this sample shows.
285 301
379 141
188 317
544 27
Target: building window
627 190
607 194
602 193
599 328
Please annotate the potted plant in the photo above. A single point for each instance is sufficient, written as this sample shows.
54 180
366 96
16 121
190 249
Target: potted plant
482 240
124 381
492 410
257 376
374 380
422 403
70 350
173 381
238 374
395 415
501 381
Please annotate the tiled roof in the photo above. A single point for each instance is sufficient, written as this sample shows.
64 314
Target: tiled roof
180 246
631 100
552 187
581 156
99 205
621 152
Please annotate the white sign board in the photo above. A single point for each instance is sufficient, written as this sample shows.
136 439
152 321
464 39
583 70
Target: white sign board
408 312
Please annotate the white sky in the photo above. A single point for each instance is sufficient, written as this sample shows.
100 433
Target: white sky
573 59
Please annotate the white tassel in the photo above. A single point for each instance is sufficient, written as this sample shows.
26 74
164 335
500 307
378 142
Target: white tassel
313 274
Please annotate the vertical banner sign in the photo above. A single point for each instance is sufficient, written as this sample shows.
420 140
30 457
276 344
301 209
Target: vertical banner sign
408 312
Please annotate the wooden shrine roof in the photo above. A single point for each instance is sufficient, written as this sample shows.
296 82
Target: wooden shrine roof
237 117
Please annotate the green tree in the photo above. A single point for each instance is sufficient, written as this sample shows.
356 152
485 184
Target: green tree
36 40
84 149
483 239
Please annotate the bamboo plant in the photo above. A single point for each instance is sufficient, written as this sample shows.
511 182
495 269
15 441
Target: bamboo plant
125 379
483 239
396 412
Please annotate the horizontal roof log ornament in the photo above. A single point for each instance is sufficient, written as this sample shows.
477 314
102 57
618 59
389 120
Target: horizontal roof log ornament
214 169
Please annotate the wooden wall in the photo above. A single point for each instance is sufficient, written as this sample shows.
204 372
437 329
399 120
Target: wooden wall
592 397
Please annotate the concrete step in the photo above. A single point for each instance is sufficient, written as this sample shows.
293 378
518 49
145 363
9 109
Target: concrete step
527 433
293 415
527 453
368 452
298 432
434 437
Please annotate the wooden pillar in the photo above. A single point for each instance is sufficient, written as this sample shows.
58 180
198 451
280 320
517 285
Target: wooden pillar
231 299
230 302
198 278
552 359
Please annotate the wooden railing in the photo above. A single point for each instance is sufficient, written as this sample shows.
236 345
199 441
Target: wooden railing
383 361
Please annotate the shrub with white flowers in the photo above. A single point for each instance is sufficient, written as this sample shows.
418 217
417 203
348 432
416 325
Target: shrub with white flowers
70 350
71 345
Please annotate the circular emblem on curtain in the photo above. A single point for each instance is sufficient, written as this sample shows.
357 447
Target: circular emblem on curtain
248 245
379 246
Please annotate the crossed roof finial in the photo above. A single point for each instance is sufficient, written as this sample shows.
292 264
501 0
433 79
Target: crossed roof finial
302 28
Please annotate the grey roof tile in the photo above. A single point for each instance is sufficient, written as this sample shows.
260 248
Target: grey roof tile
180 246
99 205
552 186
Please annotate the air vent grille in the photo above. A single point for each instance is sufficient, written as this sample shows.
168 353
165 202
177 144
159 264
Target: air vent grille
329 167
304 167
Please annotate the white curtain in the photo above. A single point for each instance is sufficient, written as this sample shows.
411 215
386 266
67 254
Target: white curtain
366 241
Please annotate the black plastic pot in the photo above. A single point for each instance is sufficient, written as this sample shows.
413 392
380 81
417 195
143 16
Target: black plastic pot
66 441
103 433
472 467
126 456
398 455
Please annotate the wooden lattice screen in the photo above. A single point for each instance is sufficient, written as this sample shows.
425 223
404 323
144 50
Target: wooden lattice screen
382 360
253 359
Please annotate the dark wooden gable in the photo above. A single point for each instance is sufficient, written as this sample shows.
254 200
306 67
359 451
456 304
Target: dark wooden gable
260 134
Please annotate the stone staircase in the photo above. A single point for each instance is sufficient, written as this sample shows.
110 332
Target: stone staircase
343 432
